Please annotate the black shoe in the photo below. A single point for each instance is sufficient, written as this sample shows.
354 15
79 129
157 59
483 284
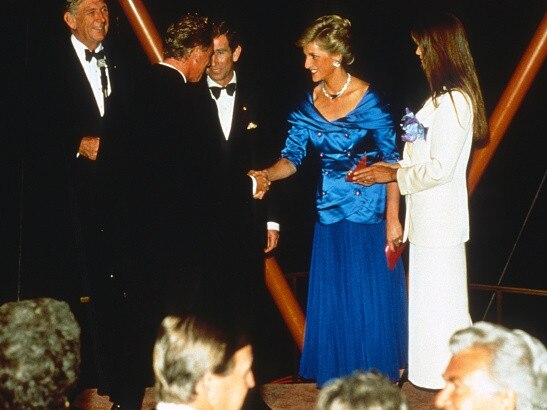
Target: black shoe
403 379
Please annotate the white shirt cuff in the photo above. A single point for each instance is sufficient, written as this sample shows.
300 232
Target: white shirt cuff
272 226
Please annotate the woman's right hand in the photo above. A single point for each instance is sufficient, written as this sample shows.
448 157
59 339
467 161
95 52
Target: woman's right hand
378 173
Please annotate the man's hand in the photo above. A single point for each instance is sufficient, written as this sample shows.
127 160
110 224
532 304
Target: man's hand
89 147
273 239
262 183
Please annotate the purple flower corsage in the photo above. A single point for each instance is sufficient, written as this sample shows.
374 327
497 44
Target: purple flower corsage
413 129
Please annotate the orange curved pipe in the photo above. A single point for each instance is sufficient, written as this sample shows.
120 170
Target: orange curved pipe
512 97
144 29
284 299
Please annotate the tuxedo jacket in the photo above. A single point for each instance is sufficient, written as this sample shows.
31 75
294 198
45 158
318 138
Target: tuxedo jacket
199 177
200 213
180 217
240 228
178 185
247 147
433 174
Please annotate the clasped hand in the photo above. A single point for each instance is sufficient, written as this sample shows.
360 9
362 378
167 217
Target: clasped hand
89 147
262 183
378 173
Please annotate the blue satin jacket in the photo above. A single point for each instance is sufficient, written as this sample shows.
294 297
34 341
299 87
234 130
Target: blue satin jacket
340 144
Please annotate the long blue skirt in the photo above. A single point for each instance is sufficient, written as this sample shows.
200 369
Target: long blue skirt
356 314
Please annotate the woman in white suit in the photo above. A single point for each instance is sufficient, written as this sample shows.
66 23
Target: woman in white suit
432 176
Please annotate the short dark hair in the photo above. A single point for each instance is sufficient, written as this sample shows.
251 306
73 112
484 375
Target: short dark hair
188 32
221 27
39 354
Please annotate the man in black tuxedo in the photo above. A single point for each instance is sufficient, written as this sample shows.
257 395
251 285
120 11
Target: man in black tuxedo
247 229
176 199
75 235
235 127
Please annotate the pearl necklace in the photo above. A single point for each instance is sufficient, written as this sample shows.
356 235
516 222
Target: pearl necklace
339 93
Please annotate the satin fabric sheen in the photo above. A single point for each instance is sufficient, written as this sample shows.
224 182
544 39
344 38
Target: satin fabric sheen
356 314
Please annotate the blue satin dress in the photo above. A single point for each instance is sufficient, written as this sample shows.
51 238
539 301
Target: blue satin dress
356 315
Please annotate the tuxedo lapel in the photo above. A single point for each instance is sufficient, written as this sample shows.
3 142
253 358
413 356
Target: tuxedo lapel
79 84
217 125
235 130
241 115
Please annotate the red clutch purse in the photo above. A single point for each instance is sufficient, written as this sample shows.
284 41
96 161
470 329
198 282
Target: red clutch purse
360 165
393 256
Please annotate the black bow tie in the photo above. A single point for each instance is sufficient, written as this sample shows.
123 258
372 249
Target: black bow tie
90 54
230 89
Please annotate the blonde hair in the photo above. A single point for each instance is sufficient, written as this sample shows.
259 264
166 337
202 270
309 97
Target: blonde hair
332 34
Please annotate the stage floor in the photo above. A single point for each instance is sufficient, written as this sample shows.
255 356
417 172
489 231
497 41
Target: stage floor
278 396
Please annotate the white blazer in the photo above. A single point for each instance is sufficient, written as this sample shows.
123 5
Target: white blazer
433 174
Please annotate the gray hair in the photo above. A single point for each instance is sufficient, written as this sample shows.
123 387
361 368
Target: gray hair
72 6
39 353
188 348
361 391
518 360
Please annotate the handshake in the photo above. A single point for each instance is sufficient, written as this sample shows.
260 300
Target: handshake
262 183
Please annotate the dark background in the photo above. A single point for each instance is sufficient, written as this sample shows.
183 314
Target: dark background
498 31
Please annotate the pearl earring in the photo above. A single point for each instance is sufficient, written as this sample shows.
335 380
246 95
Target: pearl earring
336 63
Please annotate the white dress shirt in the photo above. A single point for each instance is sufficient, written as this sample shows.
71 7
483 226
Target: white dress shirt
225 105
92 72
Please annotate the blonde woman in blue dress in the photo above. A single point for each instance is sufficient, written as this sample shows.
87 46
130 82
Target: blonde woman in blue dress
356 317
432 176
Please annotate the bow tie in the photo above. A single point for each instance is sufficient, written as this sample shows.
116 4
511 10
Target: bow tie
90 54
230 89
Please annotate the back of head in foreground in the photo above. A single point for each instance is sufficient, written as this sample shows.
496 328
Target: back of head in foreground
516 362
202 361
39 354
361 391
